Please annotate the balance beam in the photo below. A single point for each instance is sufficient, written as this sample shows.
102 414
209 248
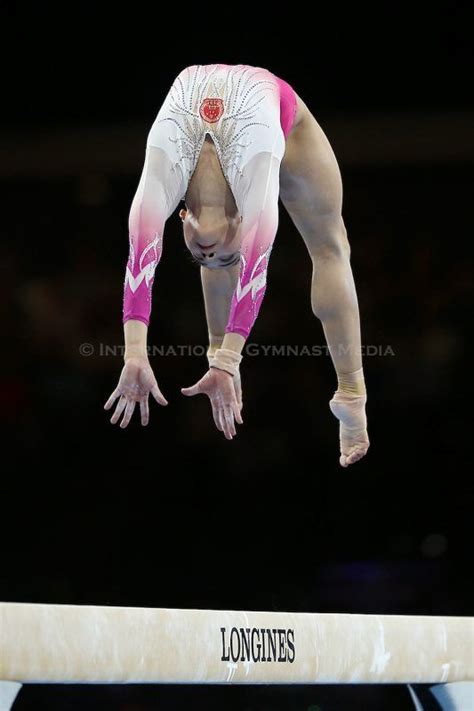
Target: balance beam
89 644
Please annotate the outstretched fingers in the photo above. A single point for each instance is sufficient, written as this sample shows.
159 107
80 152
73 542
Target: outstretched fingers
118 410
144 411
229 430
112 399
192 390
222 423
216 416
237 410
220 389
128 413
238 391
159 397
136 383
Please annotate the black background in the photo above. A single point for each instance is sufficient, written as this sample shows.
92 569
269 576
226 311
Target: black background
173 515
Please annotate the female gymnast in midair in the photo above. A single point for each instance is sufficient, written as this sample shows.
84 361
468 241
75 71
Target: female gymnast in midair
230 140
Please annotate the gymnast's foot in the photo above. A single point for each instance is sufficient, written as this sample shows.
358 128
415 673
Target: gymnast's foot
350 411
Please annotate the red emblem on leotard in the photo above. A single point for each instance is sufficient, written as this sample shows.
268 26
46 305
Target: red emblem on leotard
211 110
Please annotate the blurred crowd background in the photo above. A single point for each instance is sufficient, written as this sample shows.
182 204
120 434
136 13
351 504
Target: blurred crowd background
173 514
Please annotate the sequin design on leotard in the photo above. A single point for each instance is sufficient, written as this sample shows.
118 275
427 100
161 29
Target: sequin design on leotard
238 106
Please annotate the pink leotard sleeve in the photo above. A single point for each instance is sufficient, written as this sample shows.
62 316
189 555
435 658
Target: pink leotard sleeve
259 206
154 201
239 107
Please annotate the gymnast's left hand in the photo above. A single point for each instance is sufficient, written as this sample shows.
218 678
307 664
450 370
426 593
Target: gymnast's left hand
220 388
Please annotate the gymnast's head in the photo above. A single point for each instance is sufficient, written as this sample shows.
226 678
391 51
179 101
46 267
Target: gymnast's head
212 236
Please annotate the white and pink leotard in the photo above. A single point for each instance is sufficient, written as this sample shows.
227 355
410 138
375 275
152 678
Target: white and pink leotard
248 112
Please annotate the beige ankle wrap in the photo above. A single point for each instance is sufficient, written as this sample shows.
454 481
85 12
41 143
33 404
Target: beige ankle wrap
352 383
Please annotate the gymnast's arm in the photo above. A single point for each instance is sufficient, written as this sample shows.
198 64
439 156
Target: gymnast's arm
259 227
258 230
148 213
218 286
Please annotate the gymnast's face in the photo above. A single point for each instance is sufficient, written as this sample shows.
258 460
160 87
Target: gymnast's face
213 239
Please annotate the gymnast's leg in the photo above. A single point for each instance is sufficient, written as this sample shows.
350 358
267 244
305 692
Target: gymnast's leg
311 191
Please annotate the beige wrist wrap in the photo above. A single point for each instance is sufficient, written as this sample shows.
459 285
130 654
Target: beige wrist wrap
211 352
225 359
352 383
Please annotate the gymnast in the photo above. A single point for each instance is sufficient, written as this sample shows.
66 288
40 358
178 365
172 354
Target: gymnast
229 141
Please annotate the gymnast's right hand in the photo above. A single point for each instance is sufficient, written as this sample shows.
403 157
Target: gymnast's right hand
136 383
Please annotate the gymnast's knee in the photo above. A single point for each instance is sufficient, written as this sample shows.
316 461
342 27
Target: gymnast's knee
330 240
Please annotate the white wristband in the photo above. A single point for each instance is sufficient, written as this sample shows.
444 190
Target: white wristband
225 359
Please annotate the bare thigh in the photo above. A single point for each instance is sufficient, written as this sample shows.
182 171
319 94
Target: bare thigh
310 181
